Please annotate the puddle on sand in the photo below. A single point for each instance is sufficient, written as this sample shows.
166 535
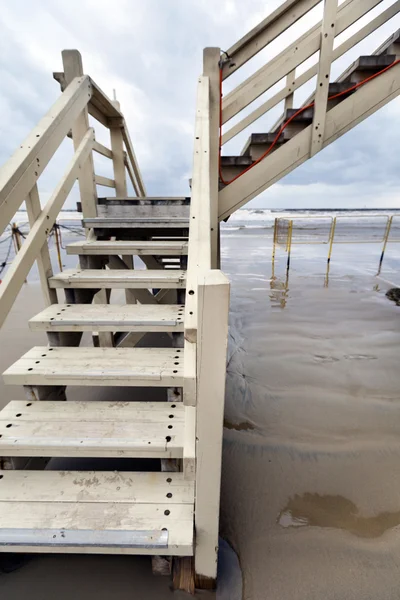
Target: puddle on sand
336 512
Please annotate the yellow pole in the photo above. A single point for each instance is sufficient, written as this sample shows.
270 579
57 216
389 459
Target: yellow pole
385 241
328 262
274 247
289 247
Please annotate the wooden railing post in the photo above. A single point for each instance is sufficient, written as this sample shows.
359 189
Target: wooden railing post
117 148
72 62
213 297
33 208
211 59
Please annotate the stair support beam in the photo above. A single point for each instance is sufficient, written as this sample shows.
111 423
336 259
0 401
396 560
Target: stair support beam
213 292
72 62
324 72
339 120
117 149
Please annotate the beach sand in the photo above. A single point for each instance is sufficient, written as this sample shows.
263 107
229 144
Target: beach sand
310 484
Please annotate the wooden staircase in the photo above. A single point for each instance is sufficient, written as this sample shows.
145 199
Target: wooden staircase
146 308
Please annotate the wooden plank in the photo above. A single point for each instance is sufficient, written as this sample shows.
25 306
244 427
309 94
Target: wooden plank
101 487
189 445
105 181
200 212
94 439
156 367
21 172
133 160
121 279
190 373
324 73
139 223
265 32
101 149
33 209
311 72
152 248
117 147
103 103
262 80
96 516
22 263
144 200
138 412
212 346
147 211
72 62
109 317
340 119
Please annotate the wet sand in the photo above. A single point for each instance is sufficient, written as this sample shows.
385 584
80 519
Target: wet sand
311 466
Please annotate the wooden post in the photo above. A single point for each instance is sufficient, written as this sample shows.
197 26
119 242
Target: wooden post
211 57
324 72
72 62
290 80
117 148
213 292
33 208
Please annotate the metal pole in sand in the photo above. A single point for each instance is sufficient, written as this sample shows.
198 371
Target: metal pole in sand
57 237
274 247
289 247
328 262
385 241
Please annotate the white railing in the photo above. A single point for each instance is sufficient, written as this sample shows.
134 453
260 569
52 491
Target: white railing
20 175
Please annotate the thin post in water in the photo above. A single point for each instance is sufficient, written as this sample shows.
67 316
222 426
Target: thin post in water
385 241
328 262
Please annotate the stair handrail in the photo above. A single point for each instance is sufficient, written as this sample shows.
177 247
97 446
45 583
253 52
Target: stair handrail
285 64
19 176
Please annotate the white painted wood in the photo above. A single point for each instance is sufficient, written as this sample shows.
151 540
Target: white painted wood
137 412
141 190
190 373
199 256
324 73
72 62
348 13
290 79
137 223
340 119
117 147
369 28
102 487
83 366
212 345
102 102
109 317
22 170
37 236
148 211
153 248
122 279
265 32
101 149
100 516
211 70
189 446
33 209
104 181
131 175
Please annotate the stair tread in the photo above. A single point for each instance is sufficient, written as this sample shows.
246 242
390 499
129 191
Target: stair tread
102 511
143 200
131 222
153 248
119 278
109 317
92 429
98 366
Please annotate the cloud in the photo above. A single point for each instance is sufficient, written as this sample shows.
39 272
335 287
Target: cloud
151 53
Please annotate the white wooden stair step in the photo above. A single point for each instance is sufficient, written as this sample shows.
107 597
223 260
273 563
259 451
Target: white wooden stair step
96 512
133 223
119 278
93 429
110 317
153 248
154 367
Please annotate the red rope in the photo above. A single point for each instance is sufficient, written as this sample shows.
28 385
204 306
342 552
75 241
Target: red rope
282 129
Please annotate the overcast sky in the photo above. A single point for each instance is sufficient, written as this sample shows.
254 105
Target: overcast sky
150 51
